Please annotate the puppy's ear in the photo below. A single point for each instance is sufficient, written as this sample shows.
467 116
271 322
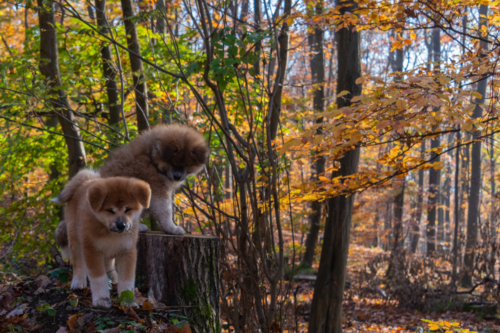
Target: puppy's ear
200 154
96 195
141 192
164 151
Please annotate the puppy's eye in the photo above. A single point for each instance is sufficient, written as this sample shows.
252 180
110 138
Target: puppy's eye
110 211
127 209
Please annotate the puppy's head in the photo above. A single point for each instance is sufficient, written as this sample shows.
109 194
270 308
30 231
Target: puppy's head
118 202
178 151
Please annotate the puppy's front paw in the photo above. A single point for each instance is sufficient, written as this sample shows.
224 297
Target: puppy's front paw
175 230
143 227
102 302
78 283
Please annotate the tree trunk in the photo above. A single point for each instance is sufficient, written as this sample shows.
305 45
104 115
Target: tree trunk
160 21
434 175
275 100
182 271
457 211
49 67
475 179
326 308
114 105
141 89
400 196
420 205
317 64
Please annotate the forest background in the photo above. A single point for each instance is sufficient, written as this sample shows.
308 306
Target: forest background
370 124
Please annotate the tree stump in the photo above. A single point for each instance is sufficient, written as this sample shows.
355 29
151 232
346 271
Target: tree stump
182 271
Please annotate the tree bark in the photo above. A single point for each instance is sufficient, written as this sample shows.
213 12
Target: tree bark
275 100
141 88
114 105
420 205
49 67
475 179
434 175
317 64
160 21
182 271
326 309
457 211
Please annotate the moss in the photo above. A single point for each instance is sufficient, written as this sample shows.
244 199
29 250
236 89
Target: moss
190 290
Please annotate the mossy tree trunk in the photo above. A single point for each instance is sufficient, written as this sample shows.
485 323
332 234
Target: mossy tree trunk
182 271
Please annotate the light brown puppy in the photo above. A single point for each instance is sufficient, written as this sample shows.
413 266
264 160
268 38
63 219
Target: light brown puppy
102 222
163 157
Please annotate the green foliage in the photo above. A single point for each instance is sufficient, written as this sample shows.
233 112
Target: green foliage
103 323
61 274
126 297
44 307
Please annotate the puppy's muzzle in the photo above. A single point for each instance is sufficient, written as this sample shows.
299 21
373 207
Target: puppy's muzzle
120 225
178 174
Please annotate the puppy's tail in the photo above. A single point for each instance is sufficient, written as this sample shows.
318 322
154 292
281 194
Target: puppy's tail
61 236
73 185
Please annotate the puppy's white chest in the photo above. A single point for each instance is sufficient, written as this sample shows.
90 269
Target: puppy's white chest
112 246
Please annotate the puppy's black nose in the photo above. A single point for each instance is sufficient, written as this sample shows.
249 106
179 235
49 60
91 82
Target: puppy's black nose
177 173
120 225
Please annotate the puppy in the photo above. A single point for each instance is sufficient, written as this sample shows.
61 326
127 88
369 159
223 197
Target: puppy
163 157
102 222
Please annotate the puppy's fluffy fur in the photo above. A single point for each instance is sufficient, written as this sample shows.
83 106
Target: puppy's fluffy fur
102 222
163 157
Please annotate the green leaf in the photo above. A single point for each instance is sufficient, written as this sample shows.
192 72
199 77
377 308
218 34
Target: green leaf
126 297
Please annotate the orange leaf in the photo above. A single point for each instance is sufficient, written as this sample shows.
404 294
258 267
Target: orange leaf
72 321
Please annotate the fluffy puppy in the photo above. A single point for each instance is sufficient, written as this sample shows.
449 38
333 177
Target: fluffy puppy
163 157
102 222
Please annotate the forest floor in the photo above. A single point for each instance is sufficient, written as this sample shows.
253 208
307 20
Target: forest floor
43 303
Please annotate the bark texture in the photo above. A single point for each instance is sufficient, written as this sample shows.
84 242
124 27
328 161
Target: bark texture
109 74
49 67
317 64
182 271
434 175
420 205
141 88
326 308
275 100
475 177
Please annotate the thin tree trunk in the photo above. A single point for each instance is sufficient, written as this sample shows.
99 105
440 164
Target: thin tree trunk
49 67
141 89
420 205
475 179
457 211
400 196
114 104
317 64
160 21
434 175
275 100
326 309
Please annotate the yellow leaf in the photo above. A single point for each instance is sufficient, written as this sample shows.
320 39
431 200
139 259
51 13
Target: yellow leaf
324 179
317 140
421 102
401 104
468 127
434 327
469 109
289 144
343 93
360 80
477 95
413 36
